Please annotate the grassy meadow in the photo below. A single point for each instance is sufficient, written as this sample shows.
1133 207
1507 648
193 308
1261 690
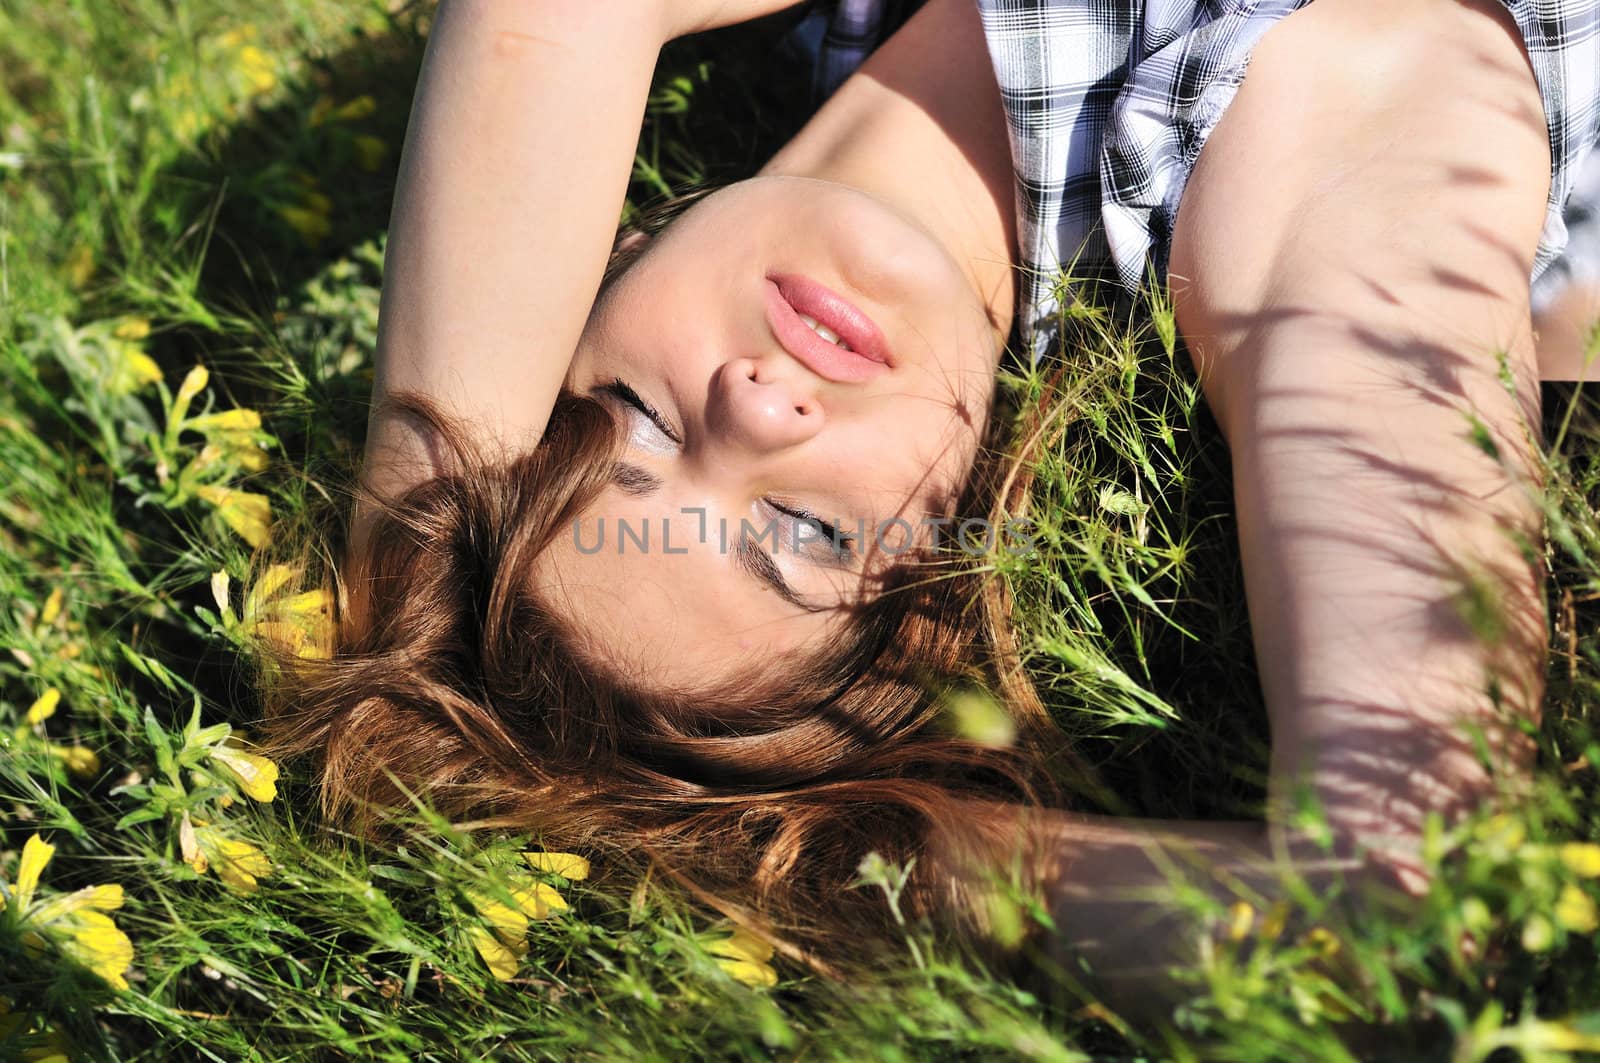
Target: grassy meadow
193 195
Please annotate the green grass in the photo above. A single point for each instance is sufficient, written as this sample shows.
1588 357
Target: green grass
221 170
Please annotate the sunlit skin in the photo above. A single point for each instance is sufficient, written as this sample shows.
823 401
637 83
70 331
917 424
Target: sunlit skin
750 428
687 329
1316 267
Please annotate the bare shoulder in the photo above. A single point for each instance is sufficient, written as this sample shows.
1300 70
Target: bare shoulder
1372 146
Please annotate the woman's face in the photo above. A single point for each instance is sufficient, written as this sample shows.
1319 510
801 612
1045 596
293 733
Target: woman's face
753 433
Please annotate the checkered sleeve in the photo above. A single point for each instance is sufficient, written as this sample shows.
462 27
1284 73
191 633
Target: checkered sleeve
1109 103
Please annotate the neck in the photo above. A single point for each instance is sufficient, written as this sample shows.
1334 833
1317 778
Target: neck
921 128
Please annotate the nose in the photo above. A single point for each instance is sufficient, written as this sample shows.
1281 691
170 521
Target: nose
763 404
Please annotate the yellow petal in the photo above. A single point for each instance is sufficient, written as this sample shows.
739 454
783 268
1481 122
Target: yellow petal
263 589
132 328
257 775
741 945
751 974
81 761
567 865
193 384
356 109
305 604
45 707
100 898
509 923
142 368
237 863
1582 858
239 420
245 512
1575 911
251 458
94 941
105 898
503 959
80 265
538 899
288 638
36 853
312 226
1241 917
52 607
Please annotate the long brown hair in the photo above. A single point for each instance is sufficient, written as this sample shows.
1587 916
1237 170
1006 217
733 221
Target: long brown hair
450 678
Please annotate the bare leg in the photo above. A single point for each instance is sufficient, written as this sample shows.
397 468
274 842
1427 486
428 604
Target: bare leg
1351 266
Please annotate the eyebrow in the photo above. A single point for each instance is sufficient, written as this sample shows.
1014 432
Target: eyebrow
758 563
634 480
638 481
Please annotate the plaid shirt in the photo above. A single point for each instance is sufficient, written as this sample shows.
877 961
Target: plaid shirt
1110 101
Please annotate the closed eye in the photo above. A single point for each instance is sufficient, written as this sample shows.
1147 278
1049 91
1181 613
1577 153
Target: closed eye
622 391
838 543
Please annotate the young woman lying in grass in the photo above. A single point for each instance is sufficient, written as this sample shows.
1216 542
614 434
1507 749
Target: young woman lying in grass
789 386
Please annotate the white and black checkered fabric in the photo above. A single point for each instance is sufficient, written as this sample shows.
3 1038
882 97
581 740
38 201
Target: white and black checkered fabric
1110 101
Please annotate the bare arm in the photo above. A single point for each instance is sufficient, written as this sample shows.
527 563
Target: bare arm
1366 343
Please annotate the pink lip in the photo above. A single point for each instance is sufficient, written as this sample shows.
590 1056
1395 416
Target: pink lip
790 296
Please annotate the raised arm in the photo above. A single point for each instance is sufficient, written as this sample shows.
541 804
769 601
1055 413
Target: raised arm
515 166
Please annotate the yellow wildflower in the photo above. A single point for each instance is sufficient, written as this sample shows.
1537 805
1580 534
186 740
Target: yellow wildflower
1322 939
502 959
503 943
271 582
133 328
312 225
194 382
80 265
235 37
259 69
237 863
1272 925
1503 836
257 775
1575 911
134 370
744 956
1241 917
1561 1037
44 707
75 922
370 152
245 512
188 124
299 623
52 607
79 760
226 421
567 865
360 107
1537 933
1582 858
